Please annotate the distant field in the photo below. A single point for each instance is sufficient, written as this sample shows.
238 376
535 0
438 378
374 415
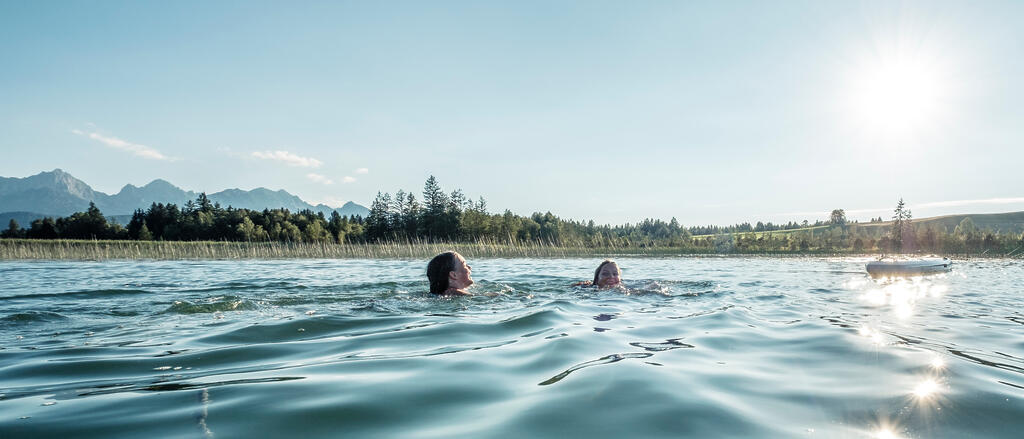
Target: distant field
1011 222
774 232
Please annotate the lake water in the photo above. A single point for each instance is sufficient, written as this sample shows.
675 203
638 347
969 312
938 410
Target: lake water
698 347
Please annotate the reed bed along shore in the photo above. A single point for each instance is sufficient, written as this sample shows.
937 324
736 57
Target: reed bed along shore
28 249
97 250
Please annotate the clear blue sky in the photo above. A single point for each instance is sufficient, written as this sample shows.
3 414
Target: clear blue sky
710 112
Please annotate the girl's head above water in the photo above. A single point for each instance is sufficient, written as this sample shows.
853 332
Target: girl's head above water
448 273
607 274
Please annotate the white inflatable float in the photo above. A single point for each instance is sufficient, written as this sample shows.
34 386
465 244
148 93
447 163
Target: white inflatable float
909 267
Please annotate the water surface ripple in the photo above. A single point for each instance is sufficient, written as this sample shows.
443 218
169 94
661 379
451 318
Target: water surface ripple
694 346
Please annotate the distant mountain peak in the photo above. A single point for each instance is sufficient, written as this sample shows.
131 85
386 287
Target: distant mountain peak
160 183
58 193
59 181
56 173
128 187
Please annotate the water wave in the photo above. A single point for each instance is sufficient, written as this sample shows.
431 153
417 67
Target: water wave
84 294
218 304
32 316
702 347
608 359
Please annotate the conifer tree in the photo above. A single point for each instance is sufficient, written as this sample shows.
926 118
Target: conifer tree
334 226
435 206
410 216
144 234
204 202
377 226
13 230
900 225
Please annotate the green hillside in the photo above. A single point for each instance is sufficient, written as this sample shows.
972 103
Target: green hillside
1010 222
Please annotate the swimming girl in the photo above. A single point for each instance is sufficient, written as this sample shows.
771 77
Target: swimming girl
607 275
449 274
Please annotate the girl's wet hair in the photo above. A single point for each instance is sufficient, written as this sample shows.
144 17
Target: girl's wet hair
437 271
597 273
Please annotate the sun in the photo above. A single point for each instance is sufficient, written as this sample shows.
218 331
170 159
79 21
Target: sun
899 93
896 94
898 90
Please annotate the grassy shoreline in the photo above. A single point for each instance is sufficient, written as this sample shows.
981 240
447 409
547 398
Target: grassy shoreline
30 249
92 250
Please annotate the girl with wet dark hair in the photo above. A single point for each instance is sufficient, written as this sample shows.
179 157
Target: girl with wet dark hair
607 275
449 274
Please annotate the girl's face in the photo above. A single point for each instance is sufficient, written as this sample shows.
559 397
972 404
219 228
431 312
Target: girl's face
609 275
462 275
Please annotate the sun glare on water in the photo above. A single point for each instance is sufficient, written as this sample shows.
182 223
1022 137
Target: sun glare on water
926 388
886 433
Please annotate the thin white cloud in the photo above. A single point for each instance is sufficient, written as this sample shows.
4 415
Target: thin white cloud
319 178
957 203
288 158
865 211
124 145
348 179
951 203
362 171
802 214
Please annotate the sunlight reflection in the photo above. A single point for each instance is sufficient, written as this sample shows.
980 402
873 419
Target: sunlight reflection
874 334
885 427
928 392
926 388
876 297
885 433
877 338
938 363
901 293
856 283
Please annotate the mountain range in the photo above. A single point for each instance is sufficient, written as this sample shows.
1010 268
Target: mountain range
58 193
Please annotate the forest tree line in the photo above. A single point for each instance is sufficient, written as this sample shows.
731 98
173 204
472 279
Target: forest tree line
452 217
